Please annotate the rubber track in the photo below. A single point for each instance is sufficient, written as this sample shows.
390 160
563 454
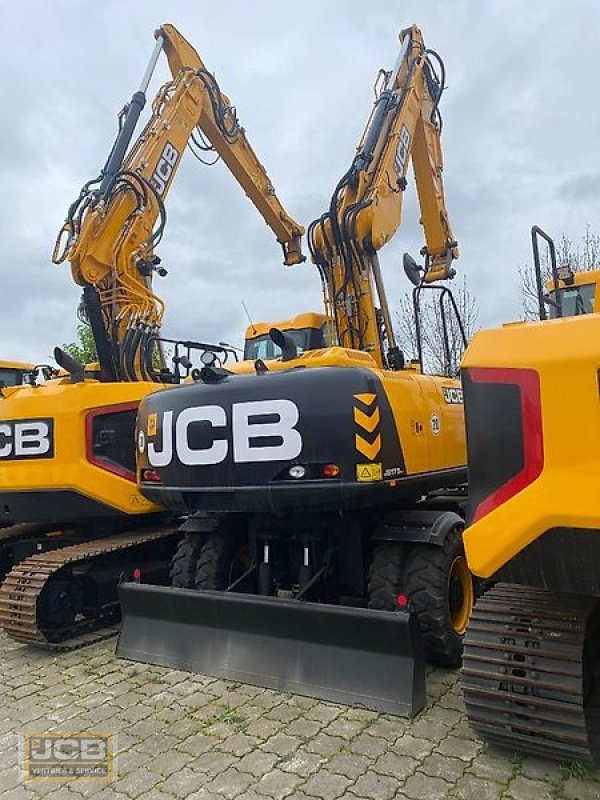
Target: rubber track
522 673
23 585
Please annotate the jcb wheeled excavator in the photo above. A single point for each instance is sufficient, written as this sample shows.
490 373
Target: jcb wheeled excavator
76 521
532 652
321 481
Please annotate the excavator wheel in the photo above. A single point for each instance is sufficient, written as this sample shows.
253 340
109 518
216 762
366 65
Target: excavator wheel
221 560
385 576
440 587
185 560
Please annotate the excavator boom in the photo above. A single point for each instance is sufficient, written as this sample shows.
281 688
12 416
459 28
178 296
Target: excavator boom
366 207
114 226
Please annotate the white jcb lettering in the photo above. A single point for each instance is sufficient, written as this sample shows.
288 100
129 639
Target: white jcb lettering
32 439
244 431
192 457
247 430
164 456
164 168
6 448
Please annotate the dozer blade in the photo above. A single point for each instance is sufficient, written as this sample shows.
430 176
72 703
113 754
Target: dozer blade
373 659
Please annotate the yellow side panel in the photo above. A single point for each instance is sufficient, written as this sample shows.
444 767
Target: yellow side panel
430 429
566 355
67 404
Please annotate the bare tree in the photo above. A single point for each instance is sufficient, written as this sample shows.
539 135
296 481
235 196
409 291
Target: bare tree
581 258
431 313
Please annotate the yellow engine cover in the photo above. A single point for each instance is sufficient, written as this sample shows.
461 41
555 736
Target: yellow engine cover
47 446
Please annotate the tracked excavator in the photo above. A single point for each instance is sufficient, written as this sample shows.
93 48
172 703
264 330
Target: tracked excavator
75 522
324 488
532 652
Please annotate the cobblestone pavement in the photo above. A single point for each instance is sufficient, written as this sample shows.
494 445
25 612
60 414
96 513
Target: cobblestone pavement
183 736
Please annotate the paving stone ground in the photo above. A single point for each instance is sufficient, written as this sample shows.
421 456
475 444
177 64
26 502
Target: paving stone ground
189 736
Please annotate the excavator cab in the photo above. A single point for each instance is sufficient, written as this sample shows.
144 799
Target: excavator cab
309 332
567 293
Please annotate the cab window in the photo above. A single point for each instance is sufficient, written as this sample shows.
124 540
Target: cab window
11 377
575 300
264 348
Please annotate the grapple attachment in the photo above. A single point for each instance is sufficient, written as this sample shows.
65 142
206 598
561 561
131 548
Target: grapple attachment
372 659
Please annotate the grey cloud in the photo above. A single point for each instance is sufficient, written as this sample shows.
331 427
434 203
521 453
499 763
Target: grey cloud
581 189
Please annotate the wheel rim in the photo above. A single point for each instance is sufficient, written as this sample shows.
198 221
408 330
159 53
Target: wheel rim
460 595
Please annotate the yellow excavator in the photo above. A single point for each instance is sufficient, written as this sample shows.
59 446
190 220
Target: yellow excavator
74 520
324 488
532 652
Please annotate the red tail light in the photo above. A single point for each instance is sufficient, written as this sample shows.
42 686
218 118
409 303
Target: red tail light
151 476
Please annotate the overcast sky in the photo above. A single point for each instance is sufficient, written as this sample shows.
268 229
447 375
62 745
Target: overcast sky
521 131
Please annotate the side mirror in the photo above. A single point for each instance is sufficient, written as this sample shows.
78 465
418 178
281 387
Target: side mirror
73 367
286 344
412 270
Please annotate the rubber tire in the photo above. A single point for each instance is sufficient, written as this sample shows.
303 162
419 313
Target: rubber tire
214 561
183 564
426 584
385 576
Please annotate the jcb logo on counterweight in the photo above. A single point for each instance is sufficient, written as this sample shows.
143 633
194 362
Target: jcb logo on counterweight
263 430
27 438
164 168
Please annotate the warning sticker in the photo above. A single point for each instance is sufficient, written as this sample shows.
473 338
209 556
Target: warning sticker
151 427
369 472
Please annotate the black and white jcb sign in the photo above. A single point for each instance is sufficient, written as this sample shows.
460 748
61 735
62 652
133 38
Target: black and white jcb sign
453 395
26 438
164 168
262 430
402 150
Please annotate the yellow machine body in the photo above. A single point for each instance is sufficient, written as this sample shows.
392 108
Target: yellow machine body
531 655
562 356
76 480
